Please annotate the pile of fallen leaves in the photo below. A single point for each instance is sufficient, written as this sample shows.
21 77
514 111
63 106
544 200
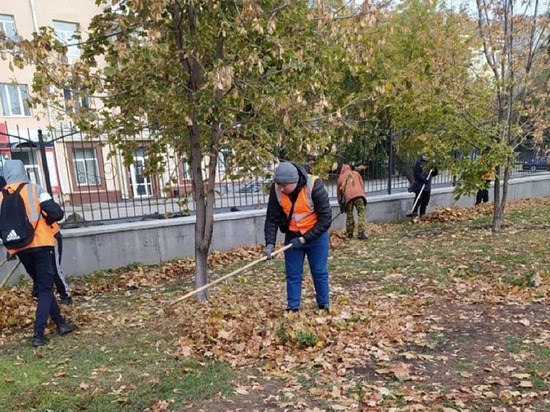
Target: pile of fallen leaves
138 276
454 214
250 330
17 307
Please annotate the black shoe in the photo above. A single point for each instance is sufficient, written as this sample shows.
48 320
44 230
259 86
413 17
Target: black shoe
64 328
326 308
361 235
350 235
66 301
292 310
39 340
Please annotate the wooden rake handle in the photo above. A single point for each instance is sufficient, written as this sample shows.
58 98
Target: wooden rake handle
420 193
194 292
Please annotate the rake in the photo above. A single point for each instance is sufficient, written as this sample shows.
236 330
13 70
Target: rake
194 292
412 214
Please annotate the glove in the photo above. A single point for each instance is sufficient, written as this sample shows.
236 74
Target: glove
268 251
296 244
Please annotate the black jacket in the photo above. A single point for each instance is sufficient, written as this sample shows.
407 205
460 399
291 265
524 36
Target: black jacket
421 171
276 218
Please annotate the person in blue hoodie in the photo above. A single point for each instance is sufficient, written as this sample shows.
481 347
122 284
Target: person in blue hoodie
423 171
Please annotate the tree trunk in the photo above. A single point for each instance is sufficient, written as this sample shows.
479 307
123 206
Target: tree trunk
203 194
204 210
497 215
404 168
500 201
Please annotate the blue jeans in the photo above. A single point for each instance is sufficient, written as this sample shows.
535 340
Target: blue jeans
317 256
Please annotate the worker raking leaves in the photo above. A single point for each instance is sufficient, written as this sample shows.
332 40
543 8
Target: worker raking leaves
299 206
351 189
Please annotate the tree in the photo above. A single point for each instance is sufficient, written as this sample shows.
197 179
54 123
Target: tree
414 82
514 46
245 75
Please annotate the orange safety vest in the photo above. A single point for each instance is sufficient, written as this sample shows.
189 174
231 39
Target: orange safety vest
490 175
54 228
303 216
43 234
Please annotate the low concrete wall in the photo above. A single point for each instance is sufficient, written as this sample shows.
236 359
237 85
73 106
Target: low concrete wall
112 246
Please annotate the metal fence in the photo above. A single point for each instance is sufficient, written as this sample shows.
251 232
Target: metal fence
96 184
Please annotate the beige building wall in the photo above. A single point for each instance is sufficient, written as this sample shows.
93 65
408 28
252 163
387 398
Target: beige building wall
116 181
28 16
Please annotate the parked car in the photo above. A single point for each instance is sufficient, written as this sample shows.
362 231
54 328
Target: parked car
255 186
539 163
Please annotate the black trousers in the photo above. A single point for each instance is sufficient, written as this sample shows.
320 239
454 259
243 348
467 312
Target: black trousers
482 196
422 204
38 264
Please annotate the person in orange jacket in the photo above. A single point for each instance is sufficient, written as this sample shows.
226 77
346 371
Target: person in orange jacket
351 188
59 280
37 256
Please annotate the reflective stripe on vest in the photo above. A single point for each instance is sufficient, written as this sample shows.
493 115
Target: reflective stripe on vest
43 235
303 216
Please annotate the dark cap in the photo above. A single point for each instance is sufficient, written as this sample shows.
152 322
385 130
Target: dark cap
286 172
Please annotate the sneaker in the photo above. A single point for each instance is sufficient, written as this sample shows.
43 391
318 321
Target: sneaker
66 301
64 328
361 235
326 308
350 235
292 310
39 339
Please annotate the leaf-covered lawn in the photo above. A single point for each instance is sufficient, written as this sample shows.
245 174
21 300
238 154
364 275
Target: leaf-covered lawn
441 314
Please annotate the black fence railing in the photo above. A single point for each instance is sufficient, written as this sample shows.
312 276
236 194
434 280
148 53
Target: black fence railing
96 183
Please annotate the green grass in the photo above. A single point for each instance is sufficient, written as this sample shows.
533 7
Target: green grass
514 345
542 352
402 290
522 280
463 366
105 374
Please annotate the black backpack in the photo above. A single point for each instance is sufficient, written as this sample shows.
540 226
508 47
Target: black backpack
15 228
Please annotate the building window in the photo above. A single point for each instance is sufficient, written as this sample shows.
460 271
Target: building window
85 166
186 170
65 33
14 99
73 101
7 27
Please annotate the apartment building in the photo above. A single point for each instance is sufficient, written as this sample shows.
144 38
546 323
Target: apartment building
76 169
19 123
